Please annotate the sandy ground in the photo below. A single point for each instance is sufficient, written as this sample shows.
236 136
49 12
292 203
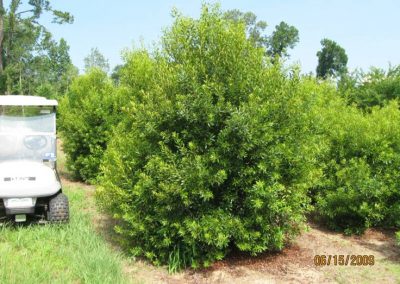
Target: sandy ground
294 264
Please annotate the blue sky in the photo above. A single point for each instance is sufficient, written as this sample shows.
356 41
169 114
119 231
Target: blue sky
368 30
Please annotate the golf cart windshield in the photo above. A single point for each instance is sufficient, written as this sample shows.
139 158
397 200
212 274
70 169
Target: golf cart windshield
27 133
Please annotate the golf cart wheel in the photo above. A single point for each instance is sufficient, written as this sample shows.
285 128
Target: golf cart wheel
58 208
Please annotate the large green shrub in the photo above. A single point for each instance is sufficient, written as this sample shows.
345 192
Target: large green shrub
87 114
361 170
218 153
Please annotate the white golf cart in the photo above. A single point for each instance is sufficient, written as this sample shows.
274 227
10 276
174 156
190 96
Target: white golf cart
29 183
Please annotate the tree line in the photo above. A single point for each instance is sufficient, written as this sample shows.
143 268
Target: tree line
33 62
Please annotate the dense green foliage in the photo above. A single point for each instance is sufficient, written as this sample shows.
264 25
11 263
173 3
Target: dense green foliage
361 170
374 88
93 106
214 152
332 59
87 114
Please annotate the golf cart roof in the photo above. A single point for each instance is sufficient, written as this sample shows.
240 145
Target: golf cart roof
19 100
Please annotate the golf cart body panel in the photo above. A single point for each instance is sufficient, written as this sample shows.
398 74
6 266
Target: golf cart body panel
33 179
28 174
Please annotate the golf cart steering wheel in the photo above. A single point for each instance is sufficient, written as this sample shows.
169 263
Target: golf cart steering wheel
35 142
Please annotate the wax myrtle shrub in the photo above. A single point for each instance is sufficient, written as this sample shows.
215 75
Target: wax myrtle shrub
217 154
360 188
93 106
136 75
86 116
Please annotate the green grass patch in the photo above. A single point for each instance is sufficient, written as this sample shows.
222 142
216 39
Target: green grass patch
68 253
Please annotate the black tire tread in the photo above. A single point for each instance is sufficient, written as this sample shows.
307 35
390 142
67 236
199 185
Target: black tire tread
58 208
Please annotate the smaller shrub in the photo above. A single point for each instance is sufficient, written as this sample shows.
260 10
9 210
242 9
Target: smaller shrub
361 170
93 106
87 113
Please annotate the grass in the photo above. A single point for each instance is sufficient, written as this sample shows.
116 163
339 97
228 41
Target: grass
68 253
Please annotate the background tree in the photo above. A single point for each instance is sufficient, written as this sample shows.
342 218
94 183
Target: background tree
283 38
332 59
25 44
254 28
96 60
116 74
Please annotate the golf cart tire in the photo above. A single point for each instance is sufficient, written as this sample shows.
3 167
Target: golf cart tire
58 209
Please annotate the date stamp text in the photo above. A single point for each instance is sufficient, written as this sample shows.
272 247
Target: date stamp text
344 260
